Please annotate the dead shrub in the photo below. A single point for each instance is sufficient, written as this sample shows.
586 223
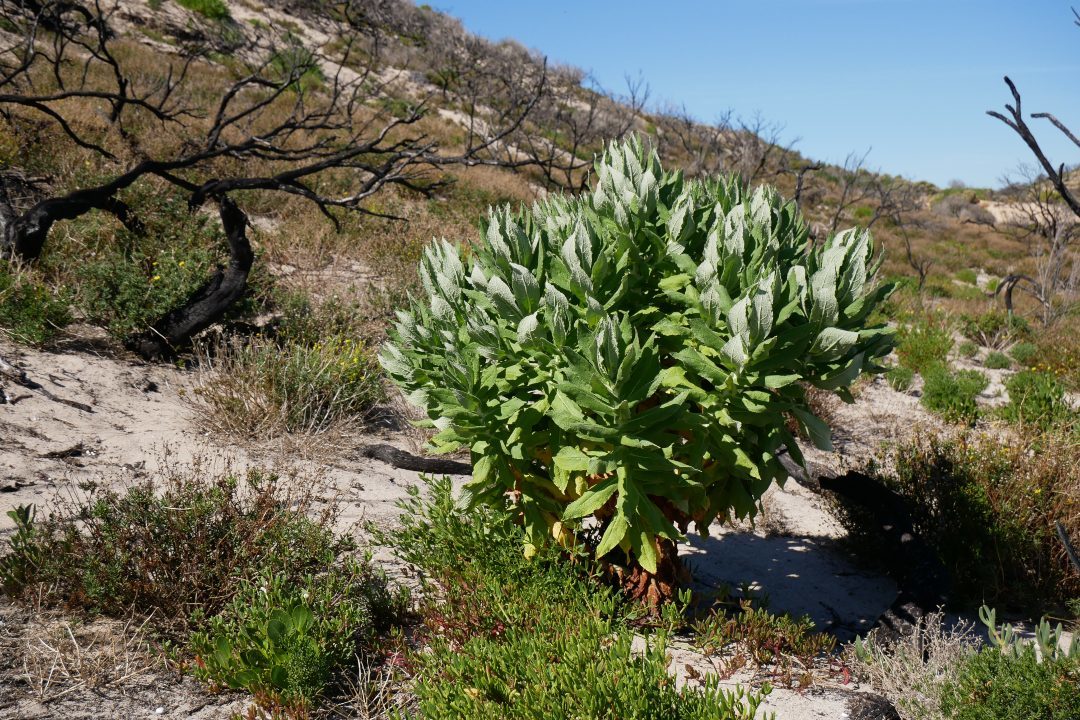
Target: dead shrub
913 672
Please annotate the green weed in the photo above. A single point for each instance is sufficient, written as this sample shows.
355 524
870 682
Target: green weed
29 312
509 637
995 686
924 344
1023 352
284 638
952 394
212 9
997 360
900 378
994 329
967 275
1037 398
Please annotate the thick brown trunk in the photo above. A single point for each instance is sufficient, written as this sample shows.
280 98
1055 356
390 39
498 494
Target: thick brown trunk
652 589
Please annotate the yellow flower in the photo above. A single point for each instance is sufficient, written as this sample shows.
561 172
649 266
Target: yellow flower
155 278
180 264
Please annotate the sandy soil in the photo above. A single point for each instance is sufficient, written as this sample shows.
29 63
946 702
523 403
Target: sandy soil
144 417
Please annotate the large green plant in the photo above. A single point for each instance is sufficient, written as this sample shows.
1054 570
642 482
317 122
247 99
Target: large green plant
634 355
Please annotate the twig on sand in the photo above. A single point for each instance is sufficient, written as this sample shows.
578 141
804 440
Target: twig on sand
20 377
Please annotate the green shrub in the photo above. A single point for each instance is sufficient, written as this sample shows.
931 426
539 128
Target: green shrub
994 329
967 349
284 639
505 638
296 61
29 312
993 686
939 289
631 355
212 9
862 213
900 378
988 507
967 275
924 344
128 293
126 282
952 394
1038 398
174 548
1023 352
997 360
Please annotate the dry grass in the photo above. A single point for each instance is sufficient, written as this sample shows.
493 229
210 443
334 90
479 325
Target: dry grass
375 692
60 657
913 672
260 390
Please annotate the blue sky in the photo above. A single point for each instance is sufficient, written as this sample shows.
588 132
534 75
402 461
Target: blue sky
910 79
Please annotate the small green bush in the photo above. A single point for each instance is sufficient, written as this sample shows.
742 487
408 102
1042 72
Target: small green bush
924 344
212 9
1038 399
507 638
967 275
997 360
994 329
174 548
952 394
285 639
939 289
123 281
127 293
296 61
862 213
993 685
967 349
900 378
29 312
1023 352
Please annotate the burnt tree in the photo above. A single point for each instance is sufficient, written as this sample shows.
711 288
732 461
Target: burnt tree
295 120
1050 217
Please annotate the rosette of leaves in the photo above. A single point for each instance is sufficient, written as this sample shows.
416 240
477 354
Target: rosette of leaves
636 355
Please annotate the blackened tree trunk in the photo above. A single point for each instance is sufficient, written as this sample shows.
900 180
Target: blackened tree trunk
25 235
207 304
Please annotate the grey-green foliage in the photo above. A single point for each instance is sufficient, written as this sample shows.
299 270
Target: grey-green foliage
633 354
1046 643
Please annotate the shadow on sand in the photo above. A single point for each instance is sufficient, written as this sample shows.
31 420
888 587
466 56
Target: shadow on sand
800 576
